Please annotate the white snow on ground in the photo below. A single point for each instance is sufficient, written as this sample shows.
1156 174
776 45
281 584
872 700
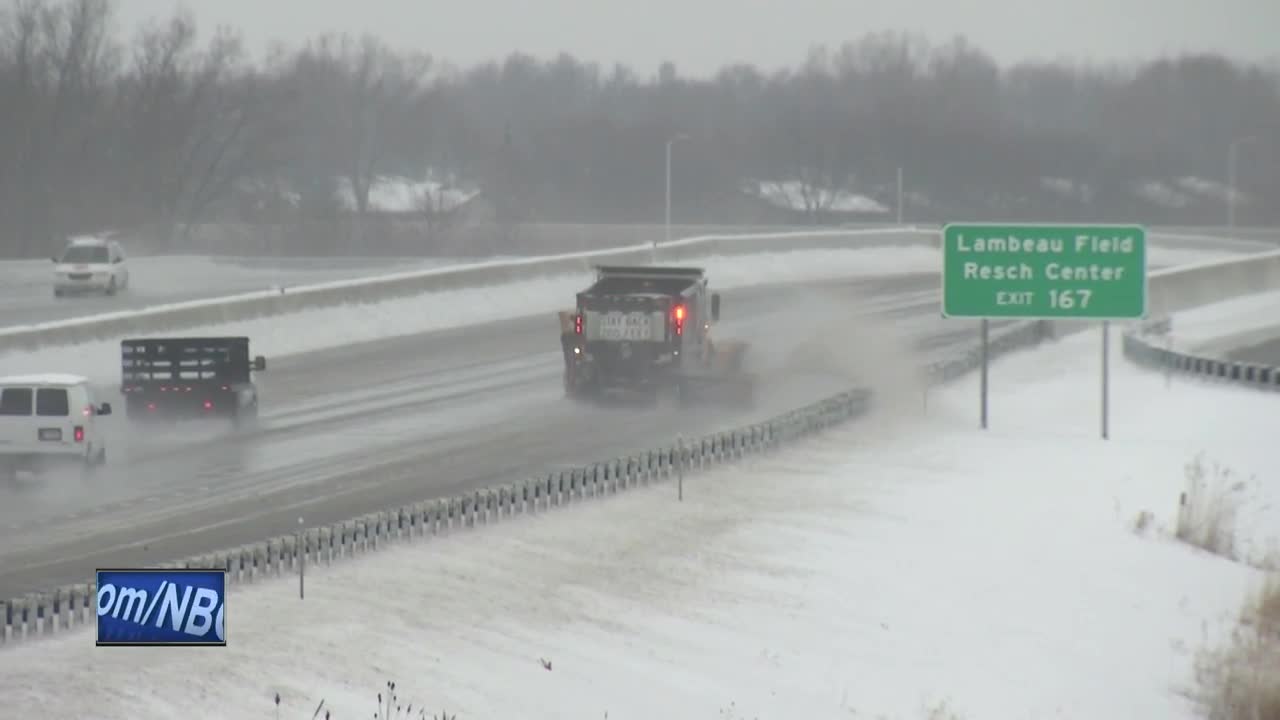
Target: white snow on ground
795 195
1210 189
1243 321
406 195
897 563
313 330
1161 194
1160 257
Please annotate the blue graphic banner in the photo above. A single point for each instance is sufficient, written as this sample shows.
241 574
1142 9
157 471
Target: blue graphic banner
161 607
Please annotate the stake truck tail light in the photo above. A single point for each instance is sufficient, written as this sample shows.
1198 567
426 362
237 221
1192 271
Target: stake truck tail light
577 324
79 434
678 314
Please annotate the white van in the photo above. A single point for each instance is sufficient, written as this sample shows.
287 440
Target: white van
90 264
47 419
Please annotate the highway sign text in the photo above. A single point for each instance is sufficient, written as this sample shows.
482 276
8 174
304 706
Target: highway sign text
1094 272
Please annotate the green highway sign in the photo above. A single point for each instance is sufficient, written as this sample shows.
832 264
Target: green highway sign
1093 272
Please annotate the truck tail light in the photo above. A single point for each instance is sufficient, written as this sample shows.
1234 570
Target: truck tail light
79 434
677 313
577 324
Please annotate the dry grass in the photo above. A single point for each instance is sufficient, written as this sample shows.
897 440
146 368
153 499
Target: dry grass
942 711
1242 680
1207 511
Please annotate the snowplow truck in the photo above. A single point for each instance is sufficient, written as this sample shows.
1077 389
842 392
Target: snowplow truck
646 330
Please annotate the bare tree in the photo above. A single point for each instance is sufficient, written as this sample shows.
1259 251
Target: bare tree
362 86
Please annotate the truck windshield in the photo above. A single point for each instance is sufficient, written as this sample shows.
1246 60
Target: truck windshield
85 254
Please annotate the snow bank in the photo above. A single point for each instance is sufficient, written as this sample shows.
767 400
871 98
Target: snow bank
865 574
312 330
1242 321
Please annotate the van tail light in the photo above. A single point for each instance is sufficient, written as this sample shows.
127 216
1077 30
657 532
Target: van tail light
208 404
577 324
79 434
677 313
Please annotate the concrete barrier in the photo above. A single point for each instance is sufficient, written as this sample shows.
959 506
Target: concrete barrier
29 617
391 286
1174 289
1141 347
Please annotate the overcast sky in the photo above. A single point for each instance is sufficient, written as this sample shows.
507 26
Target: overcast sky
700 36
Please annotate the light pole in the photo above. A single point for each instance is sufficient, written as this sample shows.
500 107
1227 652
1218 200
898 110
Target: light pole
1232 152
899 196
667 225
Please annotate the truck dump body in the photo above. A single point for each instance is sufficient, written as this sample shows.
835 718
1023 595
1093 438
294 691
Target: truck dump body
620 280
635 304
639 329
629 328
185 376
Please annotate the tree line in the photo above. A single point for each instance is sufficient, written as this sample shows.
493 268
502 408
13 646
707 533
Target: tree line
161 125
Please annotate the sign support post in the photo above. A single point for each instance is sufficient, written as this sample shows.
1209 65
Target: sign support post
680 468
985 360
1106 377
1044 272
302 558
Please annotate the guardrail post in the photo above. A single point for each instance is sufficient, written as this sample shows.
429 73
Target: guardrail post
679 459
76 597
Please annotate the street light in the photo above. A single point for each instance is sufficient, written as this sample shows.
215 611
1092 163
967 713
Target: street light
1232 151
667 225
899 201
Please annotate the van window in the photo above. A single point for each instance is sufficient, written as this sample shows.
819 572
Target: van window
52 402
15 401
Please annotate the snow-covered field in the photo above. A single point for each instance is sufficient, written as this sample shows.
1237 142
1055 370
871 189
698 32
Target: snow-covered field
908 561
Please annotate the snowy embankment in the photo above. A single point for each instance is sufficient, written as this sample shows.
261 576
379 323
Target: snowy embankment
910 560
1218 328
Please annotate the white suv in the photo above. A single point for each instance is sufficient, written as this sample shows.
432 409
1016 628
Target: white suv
49 418
90 264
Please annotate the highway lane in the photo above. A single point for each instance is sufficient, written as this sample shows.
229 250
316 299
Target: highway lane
377 425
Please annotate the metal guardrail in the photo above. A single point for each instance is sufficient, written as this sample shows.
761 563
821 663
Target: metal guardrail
1253 375
68 607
